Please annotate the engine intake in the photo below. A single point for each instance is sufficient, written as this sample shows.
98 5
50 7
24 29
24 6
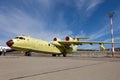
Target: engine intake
69 38
56 39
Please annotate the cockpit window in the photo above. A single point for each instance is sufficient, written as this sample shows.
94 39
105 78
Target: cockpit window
22 38
16 37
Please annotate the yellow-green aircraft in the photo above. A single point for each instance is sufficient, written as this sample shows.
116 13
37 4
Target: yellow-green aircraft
57 47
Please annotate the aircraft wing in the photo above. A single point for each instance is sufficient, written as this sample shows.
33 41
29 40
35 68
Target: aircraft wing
84 42
76 41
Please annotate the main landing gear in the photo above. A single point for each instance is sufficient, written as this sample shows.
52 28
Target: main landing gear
0 53
28 53
64 55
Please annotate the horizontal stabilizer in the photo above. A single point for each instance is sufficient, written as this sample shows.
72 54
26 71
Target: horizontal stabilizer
80 38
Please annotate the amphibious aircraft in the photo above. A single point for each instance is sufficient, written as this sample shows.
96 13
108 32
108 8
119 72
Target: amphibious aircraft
57 47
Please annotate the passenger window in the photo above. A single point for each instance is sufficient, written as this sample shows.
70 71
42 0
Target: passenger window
20 38
16 37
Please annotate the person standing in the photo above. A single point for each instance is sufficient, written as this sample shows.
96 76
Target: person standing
4 51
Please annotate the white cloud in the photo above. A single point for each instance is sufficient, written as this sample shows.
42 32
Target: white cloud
87 7
87 46
80 4
18 22
93 4
100 33
82 34
103 33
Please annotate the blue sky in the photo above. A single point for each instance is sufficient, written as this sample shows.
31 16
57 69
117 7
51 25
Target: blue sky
46 19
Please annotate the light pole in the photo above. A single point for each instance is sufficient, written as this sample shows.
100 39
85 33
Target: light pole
112 36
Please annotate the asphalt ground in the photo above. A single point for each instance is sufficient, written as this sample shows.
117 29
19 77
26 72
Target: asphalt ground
58 68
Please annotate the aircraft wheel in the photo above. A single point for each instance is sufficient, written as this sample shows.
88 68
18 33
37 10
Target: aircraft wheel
58 55
54 55
0 53
64 54
28 54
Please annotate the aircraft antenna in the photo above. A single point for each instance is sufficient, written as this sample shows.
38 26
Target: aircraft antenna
112 36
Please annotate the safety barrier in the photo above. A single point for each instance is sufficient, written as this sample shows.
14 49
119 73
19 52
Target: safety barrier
95 54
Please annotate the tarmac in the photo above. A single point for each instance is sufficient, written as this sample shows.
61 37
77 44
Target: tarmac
58 68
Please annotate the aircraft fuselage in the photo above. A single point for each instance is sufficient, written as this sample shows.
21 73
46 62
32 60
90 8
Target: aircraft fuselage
32 44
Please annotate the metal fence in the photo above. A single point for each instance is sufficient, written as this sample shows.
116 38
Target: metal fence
95 54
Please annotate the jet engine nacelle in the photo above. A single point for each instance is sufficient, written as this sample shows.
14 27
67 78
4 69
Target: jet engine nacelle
55 42
69 39
56 39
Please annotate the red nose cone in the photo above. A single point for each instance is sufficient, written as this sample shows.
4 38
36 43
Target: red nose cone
10 43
